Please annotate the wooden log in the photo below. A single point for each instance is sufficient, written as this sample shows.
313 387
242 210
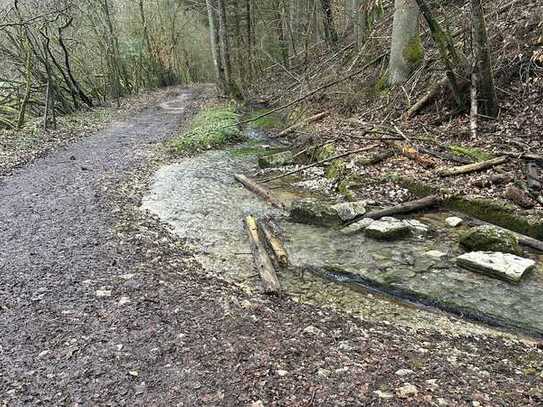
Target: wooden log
259 190
270 282
464 169
376 158
405 207
411 152
302 123
274 243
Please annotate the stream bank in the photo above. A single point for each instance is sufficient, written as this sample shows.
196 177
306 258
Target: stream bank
395 281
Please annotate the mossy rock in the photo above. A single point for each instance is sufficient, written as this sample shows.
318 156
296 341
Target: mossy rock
345 188
276 160
325 152
313 212
336 170
414 52
490 238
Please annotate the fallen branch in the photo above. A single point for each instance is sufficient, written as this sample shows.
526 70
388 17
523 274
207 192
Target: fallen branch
360 150
302 123
464 169
405 207
270 282
411 153
259 190
376 158
275 245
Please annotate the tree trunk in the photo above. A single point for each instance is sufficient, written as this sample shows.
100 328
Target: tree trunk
215 46
485 80
225 45
330 32
406 50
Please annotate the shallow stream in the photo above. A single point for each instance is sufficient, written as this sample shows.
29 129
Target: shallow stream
394 281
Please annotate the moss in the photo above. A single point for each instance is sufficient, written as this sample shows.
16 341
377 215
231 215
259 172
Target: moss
272 121
313 212
325 152
211 128
490 238
475 154
276 160
489 210
414 52
381 85
336 169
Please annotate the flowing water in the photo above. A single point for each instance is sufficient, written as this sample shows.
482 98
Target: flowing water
377 280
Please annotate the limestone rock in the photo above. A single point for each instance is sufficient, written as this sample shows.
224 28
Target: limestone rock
350 210
504 266
313 212
406 391
417 228
387 228
325 152
383 394
454 221
276 160
490 238
357 226
435 254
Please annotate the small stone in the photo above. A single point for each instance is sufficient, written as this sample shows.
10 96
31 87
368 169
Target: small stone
323 372
435 254
258 403
281 373
350 210
432 384
406 391
404 372
454 221
387 229
312 330
103 293
133 373
43 354
383 394
490 238
417 228
276 160
442 402
127 276
124 300
357 226
504 266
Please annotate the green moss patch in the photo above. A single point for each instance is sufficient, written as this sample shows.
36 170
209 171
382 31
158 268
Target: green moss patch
211 128
271 121
414 52
475 154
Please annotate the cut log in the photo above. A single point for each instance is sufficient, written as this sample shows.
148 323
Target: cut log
259 190
274 243
432 94
270 282
464 169
411 152
302 123
405 207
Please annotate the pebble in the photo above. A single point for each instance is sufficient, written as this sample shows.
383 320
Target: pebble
383 394
124 300
281 373
442 402
404 372
312 330
435 253
103 293
406 391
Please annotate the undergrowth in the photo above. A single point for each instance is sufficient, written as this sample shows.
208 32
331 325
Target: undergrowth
211 128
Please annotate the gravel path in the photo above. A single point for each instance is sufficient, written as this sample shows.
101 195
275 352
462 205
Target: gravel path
100 305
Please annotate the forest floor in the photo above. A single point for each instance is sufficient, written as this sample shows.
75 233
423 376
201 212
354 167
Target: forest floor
103 305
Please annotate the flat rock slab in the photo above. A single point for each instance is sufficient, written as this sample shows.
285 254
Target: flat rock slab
504 266
387 229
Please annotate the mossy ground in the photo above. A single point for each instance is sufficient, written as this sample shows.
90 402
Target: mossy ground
475 154
272 121
211 128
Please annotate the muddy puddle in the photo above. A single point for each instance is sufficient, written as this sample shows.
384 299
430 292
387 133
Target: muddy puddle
398 281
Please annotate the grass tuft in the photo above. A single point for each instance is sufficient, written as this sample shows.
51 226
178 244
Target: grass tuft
211 128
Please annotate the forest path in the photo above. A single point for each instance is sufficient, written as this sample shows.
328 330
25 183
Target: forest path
100 305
